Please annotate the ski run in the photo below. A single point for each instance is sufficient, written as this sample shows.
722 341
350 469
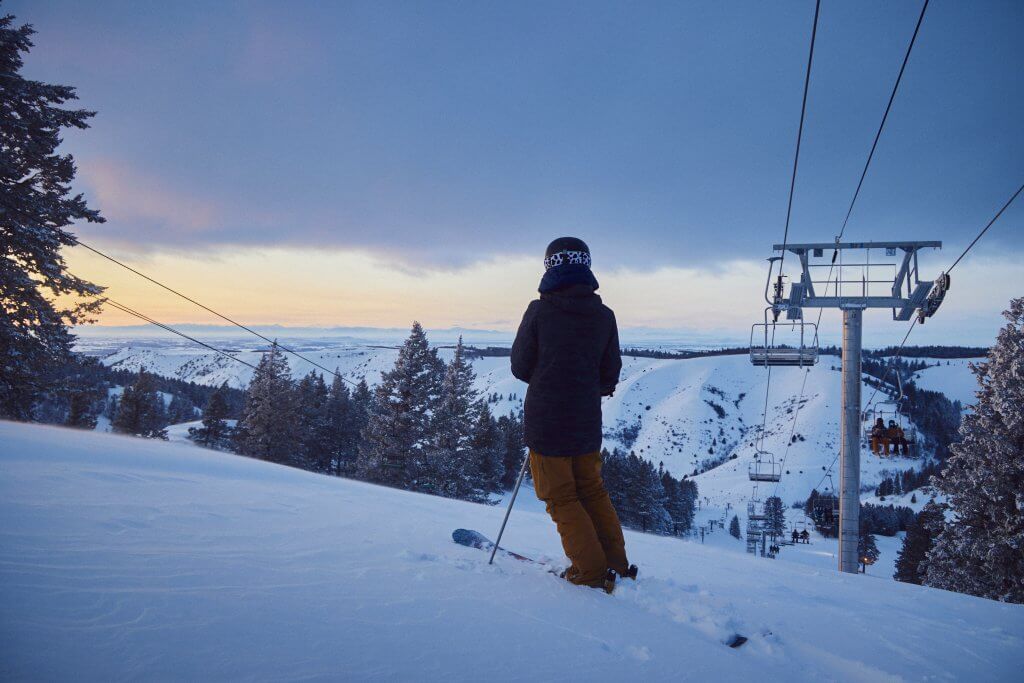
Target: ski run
146 560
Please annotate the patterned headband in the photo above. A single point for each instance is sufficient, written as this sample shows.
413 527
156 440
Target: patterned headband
562 257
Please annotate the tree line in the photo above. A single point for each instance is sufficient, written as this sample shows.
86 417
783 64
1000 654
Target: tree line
648 498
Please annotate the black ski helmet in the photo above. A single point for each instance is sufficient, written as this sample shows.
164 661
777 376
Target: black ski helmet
566 250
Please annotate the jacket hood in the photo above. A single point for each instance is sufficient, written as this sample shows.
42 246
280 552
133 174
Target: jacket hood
565 276
578 298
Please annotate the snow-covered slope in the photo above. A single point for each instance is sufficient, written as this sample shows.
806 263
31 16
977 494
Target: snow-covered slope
952 377
126 558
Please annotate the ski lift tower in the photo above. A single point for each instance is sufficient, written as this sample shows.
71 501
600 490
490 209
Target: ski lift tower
891 281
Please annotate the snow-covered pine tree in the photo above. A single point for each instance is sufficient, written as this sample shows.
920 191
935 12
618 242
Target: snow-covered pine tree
775 524
37 210
362 402
648 497
85 394
339 442
513 448
313 452
140 411
267 429
867 549
488 450
180 410
734 527
215 432
80 410
394 439
688 488
911 558
678 504
451 465
980 549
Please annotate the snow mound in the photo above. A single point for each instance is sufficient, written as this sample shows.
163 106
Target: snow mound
125 558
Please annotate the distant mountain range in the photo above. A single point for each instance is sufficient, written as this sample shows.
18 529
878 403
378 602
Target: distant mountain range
649 336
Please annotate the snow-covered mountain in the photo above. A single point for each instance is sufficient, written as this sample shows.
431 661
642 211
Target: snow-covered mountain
125 558
677 412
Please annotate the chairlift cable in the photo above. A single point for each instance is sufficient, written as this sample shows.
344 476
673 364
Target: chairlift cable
792 187
985 229
207 308
800 133
958 259
871 155
143 316
913 323
792 431
885 116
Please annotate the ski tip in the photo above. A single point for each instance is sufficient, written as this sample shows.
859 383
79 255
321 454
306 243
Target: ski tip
735 640
468 537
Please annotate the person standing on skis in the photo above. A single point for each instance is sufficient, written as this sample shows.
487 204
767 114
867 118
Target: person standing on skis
567 350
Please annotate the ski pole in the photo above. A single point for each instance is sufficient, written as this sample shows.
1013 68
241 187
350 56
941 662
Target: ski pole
515 492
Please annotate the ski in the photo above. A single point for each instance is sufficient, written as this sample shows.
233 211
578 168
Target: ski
475 539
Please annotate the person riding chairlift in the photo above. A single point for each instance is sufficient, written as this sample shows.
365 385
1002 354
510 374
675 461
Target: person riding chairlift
879 438
898 438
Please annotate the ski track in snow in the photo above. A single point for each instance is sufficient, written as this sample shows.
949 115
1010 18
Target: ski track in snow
124 558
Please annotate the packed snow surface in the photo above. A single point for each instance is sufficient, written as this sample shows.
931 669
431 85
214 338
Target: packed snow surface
124 558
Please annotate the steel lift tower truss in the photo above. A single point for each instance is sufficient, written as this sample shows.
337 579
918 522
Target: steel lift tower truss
892 280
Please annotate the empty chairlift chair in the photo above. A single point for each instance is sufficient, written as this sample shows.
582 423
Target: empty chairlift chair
764 468
789 344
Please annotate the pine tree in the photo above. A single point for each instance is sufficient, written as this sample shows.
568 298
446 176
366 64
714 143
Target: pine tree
395 437
980 550
734 527
37 210
80 410
215 432
775 524
636 492
180 410
513 448
451 465
362 403
314 447
867 549
267 429
678 503
340 442
911 558
488 450
140 411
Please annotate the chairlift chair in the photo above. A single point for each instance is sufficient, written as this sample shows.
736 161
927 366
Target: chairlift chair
889 410
755 511
764 468
791 343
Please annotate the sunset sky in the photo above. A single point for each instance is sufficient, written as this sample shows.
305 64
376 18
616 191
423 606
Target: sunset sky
312 163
